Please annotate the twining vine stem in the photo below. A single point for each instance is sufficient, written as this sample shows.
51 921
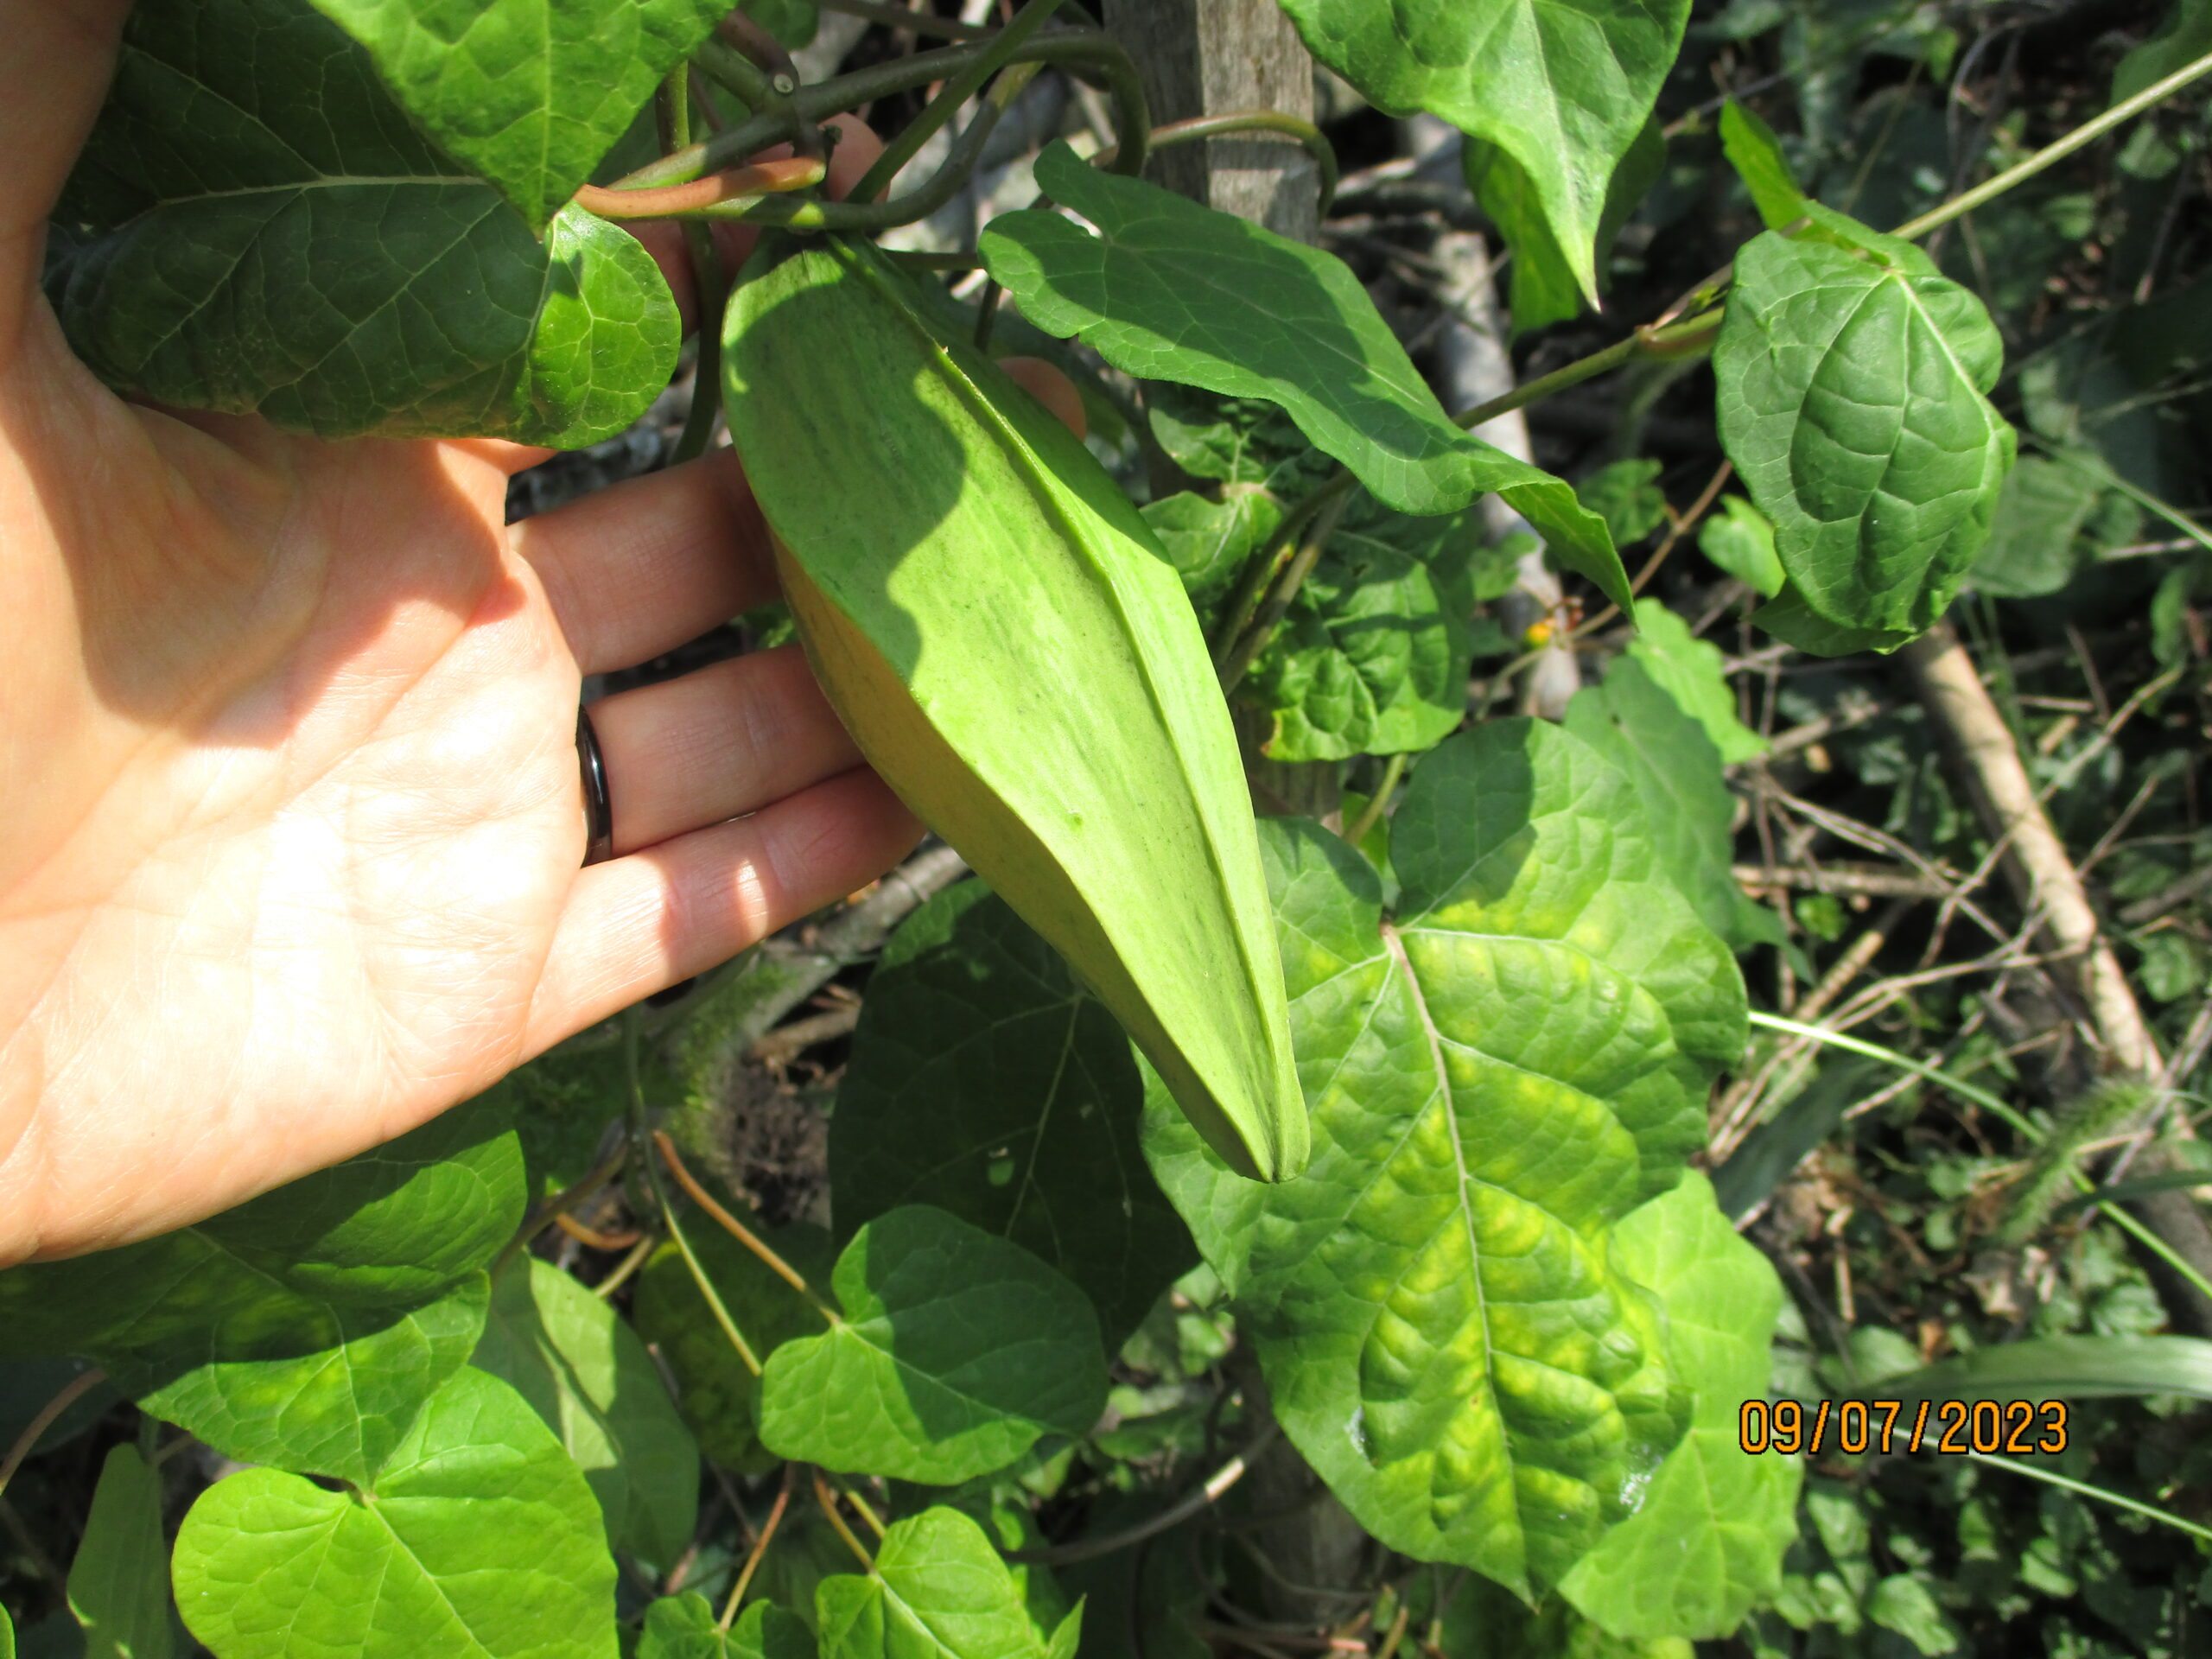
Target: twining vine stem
995 55
754 1556
1667 338
71 1392
641 1140
738 1230
1173 1516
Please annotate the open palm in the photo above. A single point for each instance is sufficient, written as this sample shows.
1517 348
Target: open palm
290 861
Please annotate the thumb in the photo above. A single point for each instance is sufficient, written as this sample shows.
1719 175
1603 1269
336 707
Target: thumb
53 75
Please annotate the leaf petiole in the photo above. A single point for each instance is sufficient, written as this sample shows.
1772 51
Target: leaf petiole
738 1230
821 1496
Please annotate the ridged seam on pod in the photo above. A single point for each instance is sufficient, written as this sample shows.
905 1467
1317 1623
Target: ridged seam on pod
990 618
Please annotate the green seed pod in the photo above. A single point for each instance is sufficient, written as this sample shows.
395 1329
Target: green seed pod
993 623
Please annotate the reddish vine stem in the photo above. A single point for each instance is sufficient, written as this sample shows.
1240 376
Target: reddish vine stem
731 1224
754 1556
828 1502
71 1392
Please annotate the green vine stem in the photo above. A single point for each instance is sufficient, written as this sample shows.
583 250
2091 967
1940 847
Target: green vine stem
26 1442
1260 569
1310 137
2003 1109
2057 150
754 1556
737 1229
709 281
2083 1488
1319 528
1658 338
1371 814
828 1502
1174 1515
641 1143
1074 49
995 55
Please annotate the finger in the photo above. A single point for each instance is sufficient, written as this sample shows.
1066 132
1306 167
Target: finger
509 458
638 924
1051 388
726 739
856 152
640 568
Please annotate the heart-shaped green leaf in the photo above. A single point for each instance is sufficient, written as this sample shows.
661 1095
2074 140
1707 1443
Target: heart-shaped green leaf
1497 1076
957 1351
477 1538
302 1329
1707 1546
254 228
1372 655
683 1627
987 1081
585 1373
1852 383
528 94
1667 756
939 1591
1563 86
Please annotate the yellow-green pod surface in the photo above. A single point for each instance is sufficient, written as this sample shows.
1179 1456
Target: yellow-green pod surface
993 623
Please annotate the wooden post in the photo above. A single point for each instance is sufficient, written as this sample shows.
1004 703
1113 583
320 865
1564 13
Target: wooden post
1214 57
1211 57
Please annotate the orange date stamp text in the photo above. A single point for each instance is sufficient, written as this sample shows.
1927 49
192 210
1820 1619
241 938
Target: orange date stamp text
1952 1426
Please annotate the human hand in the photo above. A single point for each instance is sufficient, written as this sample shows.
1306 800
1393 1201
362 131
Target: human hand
289 862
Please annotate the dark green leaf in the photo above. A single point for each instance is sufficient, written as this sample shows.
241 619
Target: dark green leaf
939 1591
1852 379
1670 761
1790 619
1902 1603
1627 496
1756 154
1235 440
2065 1368
2040 511
307 1385
7 1636
27 1385
1707 1546
477 1537
793 22
985 1080
1208 542
1543 288
1564 86
1741 541
587 1374
1172 290
526 94
1496 1077
257 230
119 1583
683 1627
957 1351
2185 37
302 1329
1372 655
720 1399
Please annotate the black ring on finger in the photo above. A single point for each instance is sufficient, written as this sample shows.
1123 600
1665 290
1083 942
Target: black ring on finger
598 806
